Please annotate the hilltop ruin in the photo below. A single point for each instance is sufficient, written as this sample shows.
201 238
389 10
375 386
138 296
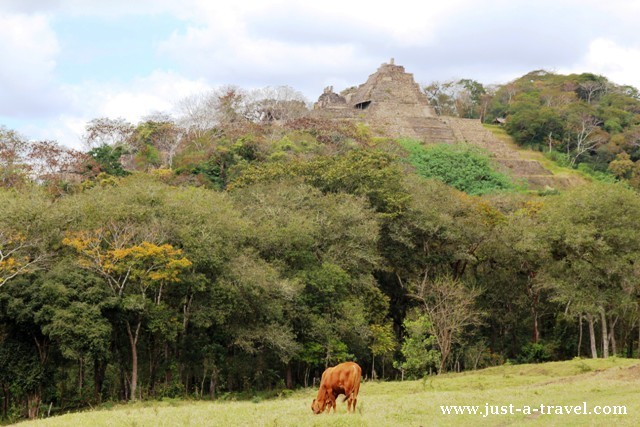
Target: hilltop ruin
392 104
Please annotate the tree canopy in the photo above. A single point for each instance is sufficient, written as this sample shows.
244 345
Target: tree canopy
242 248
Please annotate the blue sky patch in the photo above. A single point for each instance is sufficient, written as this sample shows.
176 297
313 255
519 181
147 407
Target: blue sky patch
94 48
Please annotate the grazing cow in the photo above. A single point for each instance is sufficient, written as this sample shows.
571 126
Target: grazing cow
340 379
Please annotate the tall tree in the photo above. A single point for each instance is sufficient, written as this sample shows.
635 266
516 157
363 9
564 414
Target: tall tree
106 131
595 248
135 273
25 228
14 149
158 132
584 136
450 307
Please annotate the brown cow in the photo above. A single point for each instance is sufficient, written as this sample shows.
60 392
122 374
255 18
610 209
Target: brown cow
340 379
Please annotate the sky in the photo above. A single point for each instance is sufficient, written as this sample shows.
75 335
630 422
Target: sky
65 62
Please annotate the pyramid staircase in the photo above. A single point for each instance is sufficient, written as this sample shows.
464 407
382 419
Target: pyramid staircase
509 160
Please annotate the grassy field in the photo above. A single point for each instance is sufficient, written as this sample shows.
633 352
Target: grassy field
611 382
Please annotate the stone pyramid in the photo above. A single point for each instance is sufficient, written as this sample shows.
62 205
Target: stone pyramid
392 104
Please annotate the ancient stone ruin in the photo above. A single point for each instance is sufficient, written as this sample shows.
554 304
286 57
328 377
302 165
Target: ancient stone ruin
392 104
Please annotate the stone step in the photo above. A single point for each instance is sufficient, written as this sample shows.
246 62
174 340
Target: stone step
523 167
472 132
540 182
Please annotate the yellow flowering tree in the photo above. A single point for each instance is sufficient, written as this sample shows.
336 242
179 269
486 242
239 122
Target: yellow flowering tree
14 255
136 273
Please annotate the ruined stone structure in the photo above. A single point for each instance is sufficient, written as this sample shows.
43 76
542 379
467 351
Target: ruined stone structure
392 104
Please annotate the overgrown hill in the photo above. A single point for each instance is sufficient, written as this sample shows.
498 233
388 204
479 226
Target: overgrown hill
583 121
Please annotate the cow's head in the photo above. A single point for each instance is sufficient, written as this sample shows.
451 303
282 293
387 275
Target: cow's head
318 405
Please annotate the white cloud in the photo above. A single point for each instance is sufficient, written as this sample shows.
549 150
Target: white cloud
259 43
306 45
159 91
620 64
111 8
28 52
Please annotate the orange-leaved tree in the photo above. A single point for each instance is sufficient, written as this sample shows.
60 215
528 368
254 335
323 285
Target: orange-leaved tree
136 273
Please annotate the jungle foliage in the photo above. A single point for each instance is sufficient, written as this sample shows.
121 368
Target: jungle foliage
197 258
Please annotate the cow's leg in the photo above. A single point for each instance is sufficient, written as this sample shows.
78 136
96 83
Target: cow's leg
333 403
353 399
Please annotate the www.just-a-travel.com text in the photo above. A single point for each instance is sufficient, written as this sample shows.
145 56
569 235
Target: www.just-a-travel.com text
542 409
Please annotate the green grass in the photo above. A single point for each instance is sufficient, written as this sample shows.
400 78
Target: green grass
413 403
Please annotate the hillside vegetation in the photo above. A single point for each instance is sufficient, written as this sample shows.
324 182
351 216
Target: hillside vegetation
242 247
604 383
582 121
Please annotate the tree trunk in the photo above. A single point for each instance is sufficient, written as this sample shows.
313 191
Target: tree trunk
80 375
443 361
289 378
204 377
638 338
476 360
168 373
133 340
605 341
33 405
534 313
134 372
213 383
99 368
124 384
373 365
592 336
579 333
154 362
612 336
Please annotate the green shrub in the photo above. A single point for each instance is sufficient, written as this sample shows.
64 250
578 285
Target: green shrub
597 175
535 353
560 158
461 166
418 349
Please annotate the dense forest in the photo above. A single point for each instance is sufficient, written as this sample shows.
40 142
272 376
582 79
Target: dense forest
241 247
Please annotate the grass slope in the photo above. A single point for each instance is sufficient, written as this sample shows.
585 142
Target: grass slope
412 403
574 176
